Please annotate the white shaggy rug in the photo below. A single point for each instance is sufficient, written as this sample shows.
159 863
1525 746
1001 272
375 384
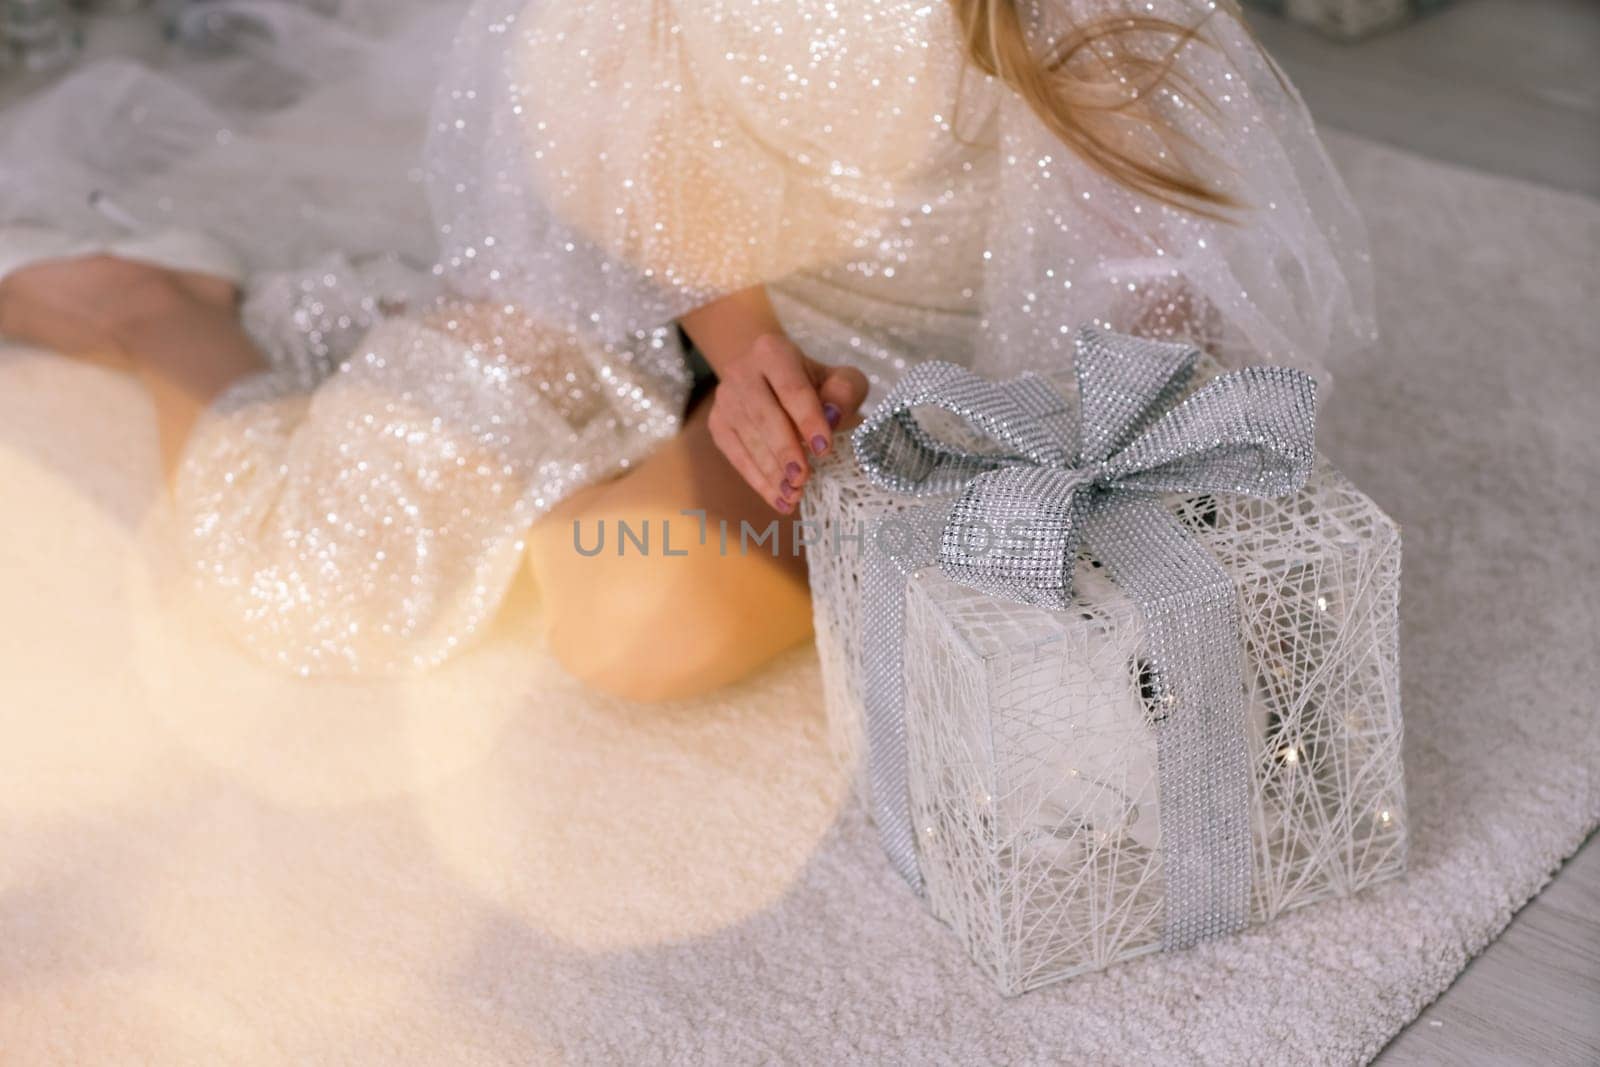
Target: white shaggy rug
204 862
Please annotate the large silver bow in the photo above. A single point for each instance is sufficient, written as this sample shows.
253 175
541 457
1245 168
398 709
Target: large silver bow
1035 485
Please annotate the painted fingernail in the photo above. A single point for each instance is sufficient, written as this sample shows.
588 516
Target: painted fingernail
819 444
793 471
831 413
783 505
789 490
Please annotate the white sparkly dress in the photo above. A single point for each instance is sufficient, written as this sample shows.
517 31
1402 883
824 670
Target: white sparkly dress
595 170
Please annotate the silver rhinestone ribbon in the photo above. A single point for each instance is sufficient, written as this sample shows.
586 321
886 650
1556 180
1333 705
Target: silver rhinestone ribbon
1042 485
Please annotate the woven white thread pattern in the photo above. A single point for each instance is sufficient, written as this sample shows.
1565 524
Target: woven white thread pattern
1038 830
1248 431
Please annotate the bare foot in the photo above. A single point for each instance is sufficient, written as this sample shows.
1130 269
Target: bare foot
85 307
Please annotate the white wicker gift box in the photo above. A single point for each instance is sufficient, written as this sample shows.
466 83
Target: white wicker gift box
1031 759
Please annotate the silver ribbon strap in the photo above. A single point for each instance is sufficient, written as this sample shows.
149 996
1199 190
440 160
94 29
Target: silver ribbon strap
1040 486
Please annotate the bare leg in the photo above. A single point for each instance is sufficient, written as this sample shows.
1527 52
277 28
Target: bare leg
652 626
644 626
180 333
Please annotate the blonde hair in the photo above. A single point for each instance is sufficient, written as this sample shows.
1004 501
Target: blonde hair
1092 90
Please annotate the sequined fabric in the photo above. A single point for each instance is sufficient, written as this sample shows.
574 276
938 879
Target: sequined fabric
375 522
596 170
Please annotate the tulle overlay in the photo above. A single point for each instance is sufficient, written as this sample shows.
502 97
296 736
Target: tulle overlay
444 373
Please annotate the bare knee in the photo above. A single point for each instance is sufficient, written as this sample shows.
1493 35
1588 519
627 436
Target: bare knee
654 629
657 646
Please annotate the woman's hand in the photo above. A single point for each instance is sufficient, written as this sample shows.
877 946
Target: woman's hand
775 409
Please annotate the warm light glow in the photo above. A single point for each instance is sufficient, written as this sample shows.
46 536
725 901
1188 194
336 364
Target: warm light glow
492 788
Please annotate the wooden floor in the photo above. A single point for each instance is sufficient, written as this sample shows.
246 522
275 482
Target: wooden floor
1511 87
1533 997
